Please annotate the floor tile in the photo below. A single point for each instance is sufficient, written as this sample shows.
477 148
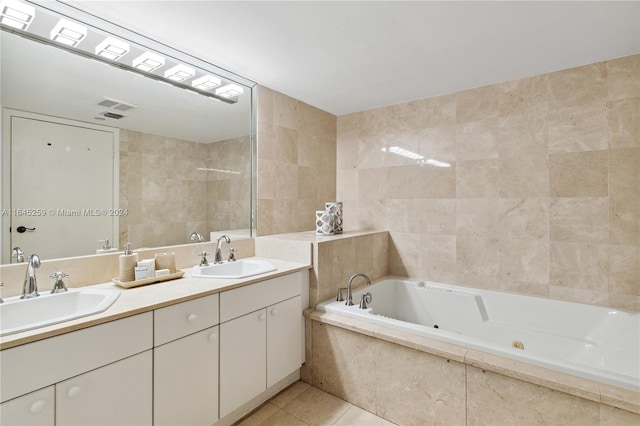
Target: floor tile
316 407
260 415
289 394
356 416
282 418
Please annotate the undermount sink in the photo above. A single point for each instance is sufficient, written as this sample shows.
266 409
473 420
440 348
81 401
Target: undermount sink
17 315
238 269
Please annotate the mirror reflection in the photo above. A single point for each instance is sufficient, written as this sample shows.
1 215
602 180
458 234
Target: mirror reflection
95 156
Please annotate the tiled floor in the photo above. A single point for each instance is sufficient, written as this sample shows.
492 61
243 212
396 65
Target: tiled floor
302 404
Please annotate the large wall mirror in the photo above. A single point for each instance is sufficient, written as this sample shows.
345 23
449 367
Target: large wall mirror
103 141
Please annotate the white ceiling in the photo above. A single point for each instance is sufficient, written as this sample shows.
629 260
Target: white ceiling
351 56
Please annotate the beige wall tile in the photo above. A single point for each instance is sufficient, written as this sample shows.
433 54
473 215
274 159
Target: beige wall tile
624 77
582 266
524 260
523 217
525 95
404 252
437 143
523 135
493 399
478 256
579 174
525 176
372 184
624 172
477 140
579 219
421 182
438 111
624 220
438 258
436 216
578 86
624 270
624 123
478 104
477 178
611 416
578 128
285 143
477 217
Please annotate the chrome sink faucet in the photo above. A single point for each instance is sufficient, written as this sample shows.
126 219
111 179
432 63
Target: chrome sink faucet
218 258
349 301
30 287
196 236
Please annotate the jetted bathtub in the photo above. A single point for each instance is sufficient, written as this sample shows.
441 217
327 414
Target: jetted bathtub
596 343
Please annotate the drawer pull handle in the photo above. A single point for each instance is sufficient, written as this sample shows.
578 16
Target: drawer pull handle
73 391
38 406
262 317
192 317
213 337
275 311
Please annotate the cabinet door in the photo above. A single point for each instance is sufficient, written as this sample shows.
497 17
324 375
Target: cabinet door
284 338
185 385
243 364
35 408
116 394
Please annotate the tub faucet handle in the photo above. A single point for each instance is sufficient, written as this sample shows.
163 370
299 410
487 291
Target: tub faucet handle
340 298
364 299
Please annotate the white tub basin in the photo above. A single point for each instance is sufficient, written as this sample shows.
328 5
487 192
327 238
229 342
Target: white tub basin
17 315
239 269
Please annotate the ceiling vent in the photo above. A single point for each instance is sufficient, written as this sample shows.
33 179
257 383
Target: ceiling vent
112 115
115 104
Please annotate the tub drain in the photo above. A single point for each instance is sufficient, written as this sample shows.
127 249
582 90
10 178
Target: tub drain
517 344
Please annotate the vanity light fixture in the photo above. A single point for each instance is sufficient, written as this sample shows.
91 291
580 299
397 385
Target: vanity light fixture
229 91
112 48
148 62
15 14
68 33
179 73
206 82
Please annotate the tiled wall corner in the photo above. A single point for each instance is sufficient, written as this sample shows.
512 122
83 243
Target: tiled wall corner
542 192
296 163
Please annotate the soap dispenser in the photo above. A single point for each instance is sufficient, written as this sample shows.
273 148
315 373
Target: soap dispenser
128 262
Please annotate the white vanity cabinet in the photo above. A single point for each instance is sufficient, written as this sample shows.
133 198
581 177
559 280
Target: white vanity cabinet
260 338
33 409
116 394
185 359
95 376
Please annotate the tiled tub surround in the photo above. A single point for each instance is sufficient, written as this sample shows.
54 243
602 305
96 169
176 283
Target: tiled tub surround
587 341
542 195
167 197
415 380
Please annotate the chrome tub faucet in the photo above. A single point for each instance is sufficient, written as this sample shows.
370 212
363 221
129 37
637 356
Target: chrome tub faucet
349 301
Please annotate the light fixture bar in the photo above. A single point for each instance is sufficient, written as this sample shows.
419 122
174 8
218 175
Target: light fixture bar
229 91
206 82
16 14
148 62
88 55
68 33
112 48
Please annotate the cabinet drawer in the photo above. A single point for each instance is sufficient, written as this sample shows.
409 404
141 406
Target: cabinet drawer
241 301
36 365
36 408
185 318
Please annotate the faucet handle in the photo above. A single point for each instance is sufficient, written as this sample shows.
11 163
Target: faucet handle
203 261
364 299
58 285
232 254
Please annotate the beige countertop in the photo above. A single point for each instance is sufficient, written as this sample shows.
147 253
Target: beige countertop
137 300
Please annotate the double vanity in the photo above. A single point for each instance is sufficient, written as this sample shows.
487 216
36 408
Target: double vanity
193 351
